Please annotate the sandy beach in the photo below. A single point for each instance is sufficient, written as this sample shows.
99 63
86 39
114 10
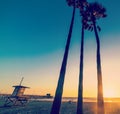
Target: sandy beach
44 107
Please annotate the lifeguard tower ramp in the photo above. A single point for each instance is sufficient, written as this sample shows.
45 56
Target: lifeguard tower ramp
17 98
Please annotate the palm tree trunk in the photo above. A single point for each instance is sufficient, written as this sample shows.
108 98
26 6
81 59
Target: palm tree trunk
100 99
80 87
59 90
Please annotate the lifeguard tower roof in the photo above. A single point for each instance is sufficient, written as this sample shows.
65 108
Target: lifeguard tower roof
19 86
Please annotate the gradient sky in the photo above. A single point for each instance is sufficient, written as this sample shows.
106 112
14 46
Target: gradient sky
32 40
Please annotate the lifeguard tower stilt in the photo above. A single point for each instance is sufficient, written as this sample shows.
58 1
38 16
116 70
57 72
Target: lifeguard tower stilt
17 98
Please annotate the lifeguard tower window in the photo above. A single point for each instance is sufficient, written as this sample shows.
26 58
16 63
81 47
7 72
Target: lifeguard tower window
18 91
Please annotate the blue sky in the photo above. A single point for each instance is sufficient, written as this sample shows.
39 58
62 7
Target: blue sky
32 40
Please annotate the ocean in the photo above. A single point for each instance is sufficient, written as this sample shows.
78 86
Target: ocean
87 99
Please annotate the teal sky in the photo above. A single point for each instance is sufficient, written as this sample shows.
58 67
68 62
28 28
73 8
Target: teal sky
32 40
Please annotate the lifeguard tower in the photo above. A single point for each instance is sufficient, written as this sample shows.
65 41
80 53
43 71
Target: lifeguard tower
17 98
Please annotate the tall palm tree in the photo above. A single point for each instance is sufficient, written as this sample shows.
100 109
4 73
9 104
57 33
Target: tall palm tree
82 6
80 86
59 90
96 11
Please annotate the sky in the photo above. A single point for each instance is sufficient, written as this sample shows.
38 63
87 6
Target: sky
33 35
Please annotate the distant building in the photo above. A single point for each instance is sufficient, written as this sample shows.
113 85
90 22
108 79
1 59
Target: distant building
48 95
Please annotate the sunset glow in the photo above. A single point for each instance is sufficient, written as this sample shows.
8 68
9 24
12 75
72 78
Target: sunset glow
32 43
109 94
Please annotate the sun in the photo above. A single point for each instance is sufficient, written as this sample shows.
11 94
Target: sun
109 94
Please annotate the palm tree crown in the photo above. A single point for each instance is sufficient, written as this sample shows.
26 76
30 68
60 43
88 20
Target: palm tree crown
94 11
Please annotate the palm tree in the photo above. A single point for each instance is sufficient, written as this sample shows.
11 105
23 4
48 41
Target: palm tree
96 11
82 6
80 86
59 90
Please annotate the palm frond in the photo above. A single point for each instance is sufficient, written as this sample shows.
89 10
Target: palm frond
99 29
81 4
70 2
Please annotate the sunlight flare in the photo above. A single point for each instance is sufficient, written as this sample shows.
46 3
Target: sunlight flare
109 93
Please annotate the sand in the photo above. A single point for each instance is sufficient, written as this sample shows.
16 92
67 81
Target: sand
44 107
